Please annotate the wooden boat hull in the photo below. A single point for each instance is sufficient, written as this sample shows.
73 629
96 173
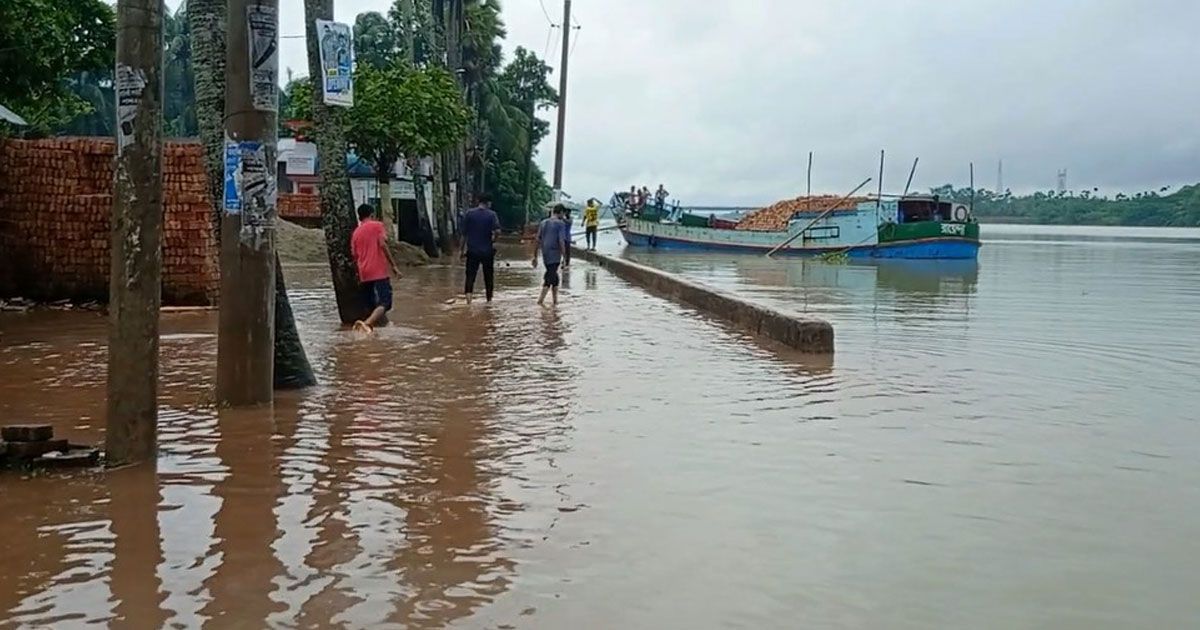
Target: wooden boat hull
925 240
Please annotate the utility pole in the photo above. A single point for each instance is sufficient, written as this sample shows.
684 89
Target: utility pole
246 329
135 271
562 98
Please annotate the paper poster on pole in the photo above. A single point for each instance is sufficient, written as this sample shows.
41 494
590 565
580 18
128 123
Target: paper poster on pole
263 23
233 167
336 44
130 84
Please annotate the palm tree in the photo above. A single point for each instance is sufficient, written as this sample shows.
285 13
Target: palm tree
337 212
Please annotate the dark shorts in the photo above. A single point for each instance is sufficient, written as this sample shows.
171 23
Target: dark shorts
378 293
591 229
551 277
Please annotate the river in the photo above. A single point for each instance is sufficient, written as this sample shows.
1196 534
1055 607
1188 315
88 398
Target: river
1007 444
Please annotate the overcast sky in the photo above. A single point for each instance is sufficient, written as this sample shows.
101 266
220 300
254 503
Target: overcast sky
721 100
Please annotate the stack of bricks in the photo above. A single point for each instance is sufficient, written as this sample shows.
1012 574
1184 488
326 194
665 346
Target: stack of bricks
56 199
300 208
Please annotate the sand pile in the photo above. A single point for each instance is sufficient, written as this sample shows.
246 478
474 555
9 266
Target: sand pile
298 244
777 215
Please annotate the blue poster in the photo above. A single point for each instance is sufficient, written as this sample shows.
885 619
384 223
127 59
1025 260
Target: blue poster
233 164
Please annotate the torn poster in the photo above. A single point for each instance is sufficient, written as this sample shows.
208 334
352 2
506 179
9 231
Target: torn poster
263 21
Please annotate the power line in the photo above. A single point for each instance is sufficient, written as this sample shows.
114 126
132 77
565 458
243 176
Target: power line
549 33
546 13
576 42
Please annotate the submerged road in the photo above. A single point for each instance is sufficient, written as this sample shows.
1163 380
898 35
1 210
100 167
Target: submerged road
495 465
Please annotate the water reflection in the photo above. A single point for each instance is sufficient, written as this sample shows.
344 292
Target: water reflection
981 431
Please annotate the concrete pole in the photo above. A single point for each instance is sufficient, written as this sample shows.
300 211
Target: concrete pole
246 329
562 97
135 286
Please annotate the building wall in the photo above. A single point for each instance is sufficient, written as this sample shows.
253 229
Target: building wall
56 200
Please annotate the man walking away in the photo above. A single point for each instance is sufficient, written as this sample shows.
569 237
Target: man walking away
368 244
551 242
480 228
660 198
591 222
567 221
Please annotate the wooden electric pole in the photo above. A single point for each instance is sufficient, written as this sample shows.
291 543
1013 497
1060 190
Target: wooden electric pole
135 285
246 329
562 97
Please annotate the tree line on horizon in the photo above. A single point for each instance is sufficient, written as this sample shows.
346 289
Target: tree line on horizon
1150 208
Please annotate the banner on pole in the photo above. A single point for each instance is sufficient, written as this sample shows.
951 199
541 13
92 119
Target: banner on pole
336 44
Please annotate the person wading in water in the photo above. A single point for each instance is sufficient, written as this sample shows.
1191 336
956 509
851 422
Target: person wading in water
368 244
551 243
480 228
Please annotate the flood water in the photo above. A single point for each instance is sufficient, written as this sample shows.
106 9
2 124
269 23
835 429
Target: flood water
1008 444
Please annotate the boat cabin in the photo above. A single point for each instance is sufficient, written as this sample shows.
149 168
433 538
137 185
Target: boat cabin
917 208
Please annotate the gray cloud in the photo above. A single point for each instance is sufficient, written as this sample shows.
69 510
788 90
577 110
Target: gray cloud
722 100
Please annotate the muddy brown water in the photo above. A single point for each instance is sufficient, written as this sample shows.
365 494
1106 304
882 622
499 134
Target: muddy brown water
1004 445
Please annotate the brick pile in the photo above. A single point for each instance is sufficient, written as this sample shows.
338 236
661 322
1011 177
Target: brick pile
56 200
777 215
300 208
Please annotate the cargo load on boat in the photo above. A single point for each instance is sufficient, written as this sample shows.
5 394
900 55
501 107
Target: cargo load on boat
776 216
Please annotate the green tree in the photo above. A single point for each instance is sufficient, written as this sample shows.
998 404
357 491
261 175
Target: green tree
43 44
375 40
399 112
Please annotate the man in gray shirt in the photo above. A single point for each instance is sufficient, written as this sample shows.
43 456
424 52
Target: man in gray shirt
551 243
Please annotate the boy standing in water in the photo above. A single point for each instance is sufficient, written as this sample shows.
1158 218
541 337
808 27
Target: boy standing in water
591 223
551 242
368 244
480 228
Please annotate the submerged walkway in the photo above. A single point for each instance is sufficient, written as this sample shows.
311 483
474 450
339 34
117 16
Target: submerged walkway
495 465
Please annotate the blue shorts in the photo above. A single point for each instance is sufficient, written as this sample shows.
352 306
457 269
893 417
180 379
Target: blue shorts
378 293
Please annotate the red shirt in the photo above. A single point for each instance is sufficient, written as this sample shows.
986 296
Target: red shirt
367 245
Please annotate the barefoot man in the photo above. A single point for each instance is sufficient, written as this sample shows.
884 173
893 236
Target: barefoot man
551 243
374 259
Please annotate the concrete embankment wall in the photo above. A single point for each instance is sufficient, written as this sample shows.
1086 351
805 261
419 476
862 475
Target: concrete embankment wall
793 330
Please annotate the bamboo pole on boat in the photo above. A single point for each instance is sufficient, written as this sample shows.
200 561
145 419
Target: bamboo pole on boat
819 217
879 195
808 194
911 172
972 189
603 229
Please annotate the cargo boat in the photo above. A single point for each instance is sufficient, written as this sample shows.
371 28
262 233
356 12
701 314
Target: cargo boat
916 226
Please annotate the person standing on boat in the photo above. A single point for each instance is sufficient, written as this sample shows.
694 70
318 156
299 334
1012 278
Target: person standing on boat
551 242
480 227
591 223
660 198
631 201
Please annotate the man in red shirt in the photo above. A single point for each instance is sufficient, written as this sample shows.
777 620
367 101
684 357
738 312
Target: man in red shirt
371 254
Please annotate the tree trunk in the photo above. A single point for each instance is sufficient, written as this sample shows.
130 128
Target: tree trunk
206 20
428 239
384 178
441 208
135 288
337 205
206 23
292 370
